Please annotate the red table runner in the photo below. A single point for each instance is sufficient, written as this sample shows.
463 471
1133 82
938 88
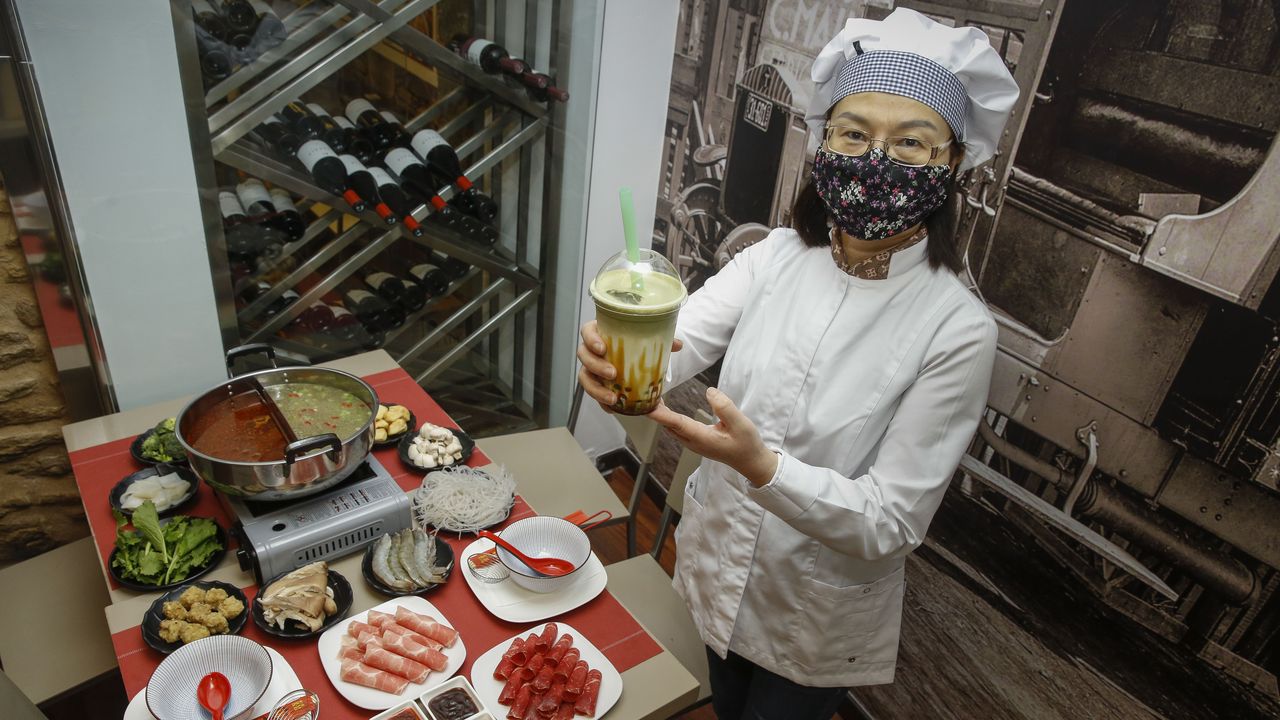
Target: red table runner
603 621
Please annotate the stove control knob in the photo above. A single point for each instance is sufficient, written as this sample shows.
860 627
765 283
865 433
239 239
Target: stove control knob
246 563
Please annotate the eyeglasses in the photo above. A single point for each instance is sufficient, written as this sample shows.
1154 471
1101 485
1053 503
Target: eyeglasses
903 150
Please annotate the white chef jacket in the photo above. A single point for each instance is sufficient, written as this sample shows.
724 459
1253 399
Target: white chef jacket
869 390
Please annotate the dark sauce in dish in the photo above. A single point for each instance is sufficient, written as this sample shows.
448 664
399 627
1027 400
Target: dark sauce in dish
454 704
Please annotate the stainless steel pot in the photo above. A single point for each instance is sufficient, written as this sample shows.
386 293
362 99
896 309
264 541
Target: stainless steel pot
310 464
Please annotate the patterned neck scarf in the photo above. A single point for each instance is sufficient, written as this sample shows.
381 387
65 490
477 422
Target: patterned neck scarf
875 267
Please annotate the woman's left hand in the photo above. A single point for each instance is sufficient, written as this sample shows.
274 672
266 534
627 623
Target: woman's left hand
733 440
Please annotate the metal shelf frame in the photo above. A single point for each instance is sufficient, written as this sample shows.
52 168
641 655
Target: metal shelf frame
278 174
501 135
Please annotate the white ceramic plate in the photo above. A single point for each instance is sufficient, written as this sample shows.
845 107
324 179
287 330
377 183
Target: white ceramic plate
489 688
331 643
510 602
283 681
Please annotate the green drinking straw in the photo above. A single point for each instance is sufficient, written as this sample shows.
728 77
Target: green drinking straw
629 232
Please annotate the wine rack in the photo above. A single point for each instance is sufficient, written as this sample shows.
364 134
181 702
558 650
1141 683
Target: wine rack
480 345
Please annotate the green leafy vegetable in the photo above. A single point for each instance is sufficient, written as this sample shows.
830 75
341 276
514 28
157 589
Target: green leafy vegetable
147 521
158 555
162 444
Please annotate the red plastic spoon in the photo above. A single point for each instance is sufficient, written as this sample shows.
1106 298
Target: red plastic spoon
549 566
214 692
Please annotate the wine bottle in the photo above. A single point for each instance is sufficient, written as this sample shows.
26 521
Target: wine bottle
373 312
283 141
209 19
539 87
444 162
387 286
255 198
357 143
399 136
269 24
415 295
420 185
452 267
288 219
361 180
362 113
277 306
300 119
317 317
431 277
488 56
348 330
329 172
215 63
330 131
396 199
232 211
240 16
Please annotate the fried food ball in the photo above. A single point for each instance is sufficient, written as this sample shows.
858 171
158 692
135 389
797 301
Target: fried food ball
213 596
193 632
231 608
196 612
191 596
216 623
174 611
171 630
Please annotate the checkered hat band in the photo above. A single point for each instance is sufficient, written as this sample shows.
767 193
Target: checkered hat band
909 75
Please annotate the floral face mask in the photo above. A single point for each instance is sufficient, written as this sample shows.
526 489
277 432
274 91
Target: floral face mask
871 197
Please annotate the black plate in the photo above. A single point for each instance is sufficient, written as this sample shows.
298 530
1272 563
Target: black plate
402 449
443 550
135 449
342 595
412 422
183 472
151 621
135 585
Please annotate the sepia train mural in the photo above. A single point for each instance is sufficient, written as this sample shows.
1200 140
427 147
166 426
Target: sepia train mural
1125 238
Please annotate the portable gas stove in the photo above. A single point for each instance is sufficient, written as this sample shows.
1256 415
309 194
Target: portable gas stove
276 537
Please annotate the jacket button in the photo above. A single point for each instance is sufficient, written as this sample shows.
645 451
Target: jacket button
866 590
853 659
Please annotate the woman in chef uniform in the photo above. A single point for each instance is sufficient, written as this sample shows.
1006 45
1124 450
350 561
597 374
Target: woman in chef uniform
856 368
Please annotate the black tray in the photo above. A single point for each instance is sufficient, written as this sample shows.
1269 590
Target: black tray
135 449
402 449
443 550
183 472
342 595
151 620
412 423
134 585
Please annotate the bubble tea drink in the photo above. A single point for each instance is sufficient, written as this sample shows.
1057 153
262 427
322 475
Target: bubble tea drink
636 308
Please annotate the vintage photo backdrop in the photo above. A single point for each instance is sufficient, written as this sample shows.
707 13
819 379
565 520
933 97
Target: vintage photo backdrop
1110 548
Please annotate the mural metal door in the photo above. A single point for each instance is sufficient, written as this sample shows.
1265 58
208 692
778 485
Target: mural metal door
1022 33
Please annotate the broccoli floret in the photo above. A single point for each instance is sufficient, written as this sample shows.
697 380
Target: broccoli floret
153 447
171 447
166 426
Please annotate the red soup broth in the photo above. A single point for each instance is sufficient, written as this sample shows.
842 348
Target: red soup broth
239 428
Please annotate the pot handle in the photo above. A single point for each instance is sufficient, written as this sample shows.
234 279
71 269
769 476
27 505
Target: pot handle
240 351
306 445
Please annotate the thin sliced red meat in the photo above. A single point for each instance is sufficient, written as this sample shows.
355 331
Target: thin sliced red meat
586 704
354 671
384 659
428 626
402 645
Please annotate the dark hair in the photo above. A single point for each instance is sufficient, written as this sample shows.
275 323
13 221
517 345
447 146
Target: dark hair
810 218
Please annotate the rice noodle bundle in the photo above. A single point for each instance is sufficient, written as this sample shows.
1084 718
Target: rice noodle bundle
463 499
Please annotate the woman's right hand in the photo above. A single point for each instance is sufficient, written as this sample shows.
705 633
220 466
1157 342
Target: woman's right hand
596 375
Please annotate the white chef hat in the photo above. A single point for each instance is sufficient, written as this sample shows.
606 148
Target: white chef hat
955 71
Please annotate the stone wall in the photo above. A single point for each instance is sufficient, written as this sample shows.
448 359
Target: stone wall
39 506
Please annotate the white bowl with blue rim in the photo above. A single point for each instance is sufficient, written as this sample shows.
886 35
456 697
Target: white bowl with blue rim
543 536
171 691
